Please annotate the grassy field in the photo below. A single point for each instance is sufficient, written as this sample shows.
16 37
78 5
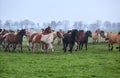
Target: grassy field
97 62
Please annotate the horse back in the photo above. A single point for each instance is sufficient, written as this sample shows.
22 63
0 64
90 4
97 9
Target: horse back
32 36
112 37
37 38
10 37
118 38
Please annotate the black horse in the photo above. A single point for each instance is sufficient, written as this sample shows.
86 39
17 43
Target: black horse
84 40
69 39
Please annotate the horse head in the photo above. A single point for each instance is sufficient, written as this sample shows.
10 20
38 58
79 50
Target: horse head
22 32
47 30
89 33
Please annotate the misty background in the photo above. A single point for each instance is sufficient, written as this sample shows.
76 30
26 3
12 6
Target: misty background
60 14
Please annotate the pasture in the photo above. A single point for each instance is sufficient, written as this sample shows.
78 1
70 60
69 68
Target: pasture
96 62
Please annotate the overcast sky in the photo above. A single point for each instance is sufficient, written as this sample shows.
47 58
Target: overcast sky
58 10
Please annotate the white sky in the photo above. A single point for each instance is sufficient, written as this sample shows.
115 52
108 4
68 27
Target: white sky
58 10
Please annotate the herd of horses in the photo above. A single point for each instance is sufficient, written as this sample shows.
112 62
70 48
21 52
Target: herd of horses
45 39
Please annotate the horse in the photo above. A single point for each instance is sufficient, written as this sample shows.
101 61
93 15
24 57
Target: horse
69 39
95 36
84 40
113 38
44 31
79 37
3 32
47 39
14 39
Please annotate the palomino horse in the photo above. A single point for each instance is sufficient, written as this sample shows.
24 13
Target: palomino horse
113 38
95 36
47 39
14 39
69 39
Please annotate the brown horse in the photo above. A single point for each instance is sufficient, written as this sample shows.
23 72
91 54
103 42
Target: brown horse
80 35
113 38
14 39
3 32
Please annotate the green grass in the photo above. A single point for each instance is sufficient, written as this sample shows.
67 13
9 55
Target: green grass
97 62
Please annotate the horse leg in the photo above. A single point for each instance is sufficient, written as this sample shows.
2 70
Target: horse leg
76 44
71 47
81 45
29 45
111 46
119 47
6 46
65 46
51 47
86 45
33 47
41 46
46 47
14 47
21 49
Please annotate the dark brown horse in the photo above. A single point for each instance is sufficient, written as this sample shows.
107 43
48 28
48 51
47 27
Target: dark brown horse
84 40
12 39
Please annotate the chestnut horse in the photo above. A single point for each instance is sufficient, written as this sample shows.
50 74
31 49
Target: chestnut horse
14 39
47 39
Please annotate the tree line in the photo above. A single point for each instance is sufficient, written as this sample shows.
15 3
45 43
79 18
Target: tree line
64 25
